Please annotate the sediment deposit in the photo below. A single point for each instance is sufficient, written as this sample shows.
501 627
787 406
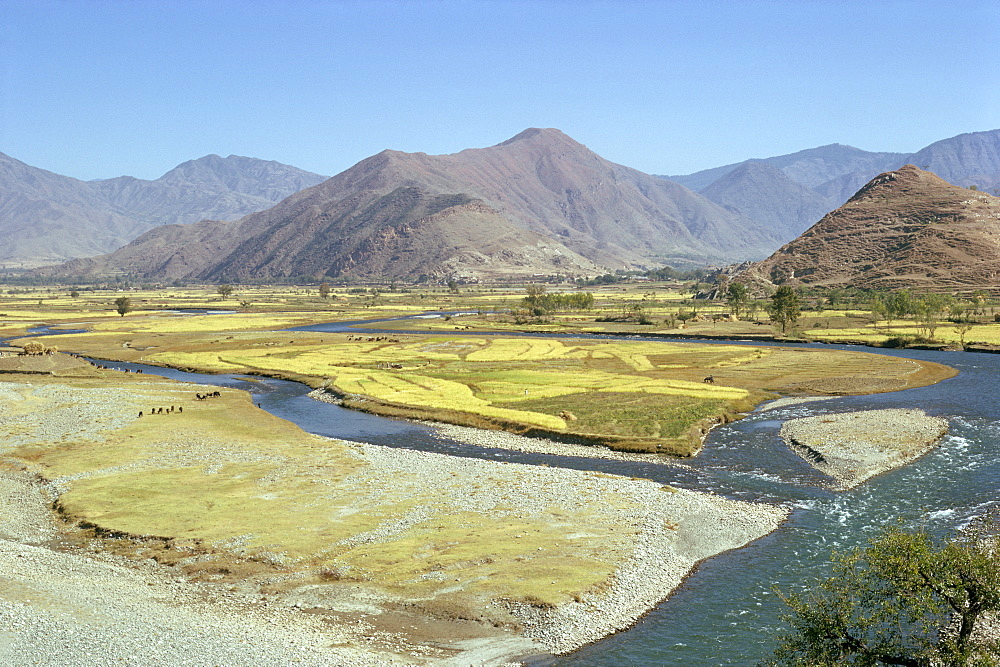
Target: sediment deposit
852 447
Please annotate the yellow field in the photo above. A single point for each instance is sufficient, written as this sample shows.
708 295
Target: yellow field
144 323
253 495
641 388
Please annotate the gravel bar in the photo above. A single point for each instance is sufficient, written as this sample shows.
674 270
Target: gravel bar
852 447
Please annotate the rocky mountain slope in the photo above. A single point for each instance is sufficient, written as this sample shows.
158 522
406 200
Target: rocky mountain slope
537 203
45 217
905 228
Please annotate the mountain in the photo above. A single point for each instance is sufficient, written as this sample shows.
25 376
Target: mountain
968 159
767 195
836 172
811 167
905 228
539 202
211 187
45 217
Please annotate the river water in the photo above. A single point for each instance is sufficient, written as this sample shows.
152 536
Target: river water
726 612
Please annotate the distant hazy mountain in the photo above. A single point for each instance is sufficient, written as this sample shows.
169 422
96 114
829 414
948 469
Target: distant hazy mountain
836 172
209 188
45 217
905 228
767 195
968 159
811 167
537 203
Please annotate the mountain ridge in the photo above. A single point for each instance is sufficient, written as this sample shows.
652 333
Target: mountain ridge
46 217
575 211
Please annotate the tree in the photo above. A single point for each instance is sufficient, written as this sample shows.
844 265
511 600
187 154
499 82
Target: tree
736 297
534 293
123 305
324 290
898 305
963 330
785 307
224 290
905 599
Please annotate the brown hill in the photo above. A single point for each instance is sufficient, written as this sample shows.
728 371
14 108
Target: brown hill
905 228
537 203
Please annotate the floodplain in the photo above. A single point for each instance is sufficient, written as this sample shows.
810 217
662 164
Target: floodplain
231 496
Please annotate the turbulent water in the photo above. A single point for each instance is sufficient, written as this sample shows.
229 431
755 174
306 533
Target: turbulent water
726 610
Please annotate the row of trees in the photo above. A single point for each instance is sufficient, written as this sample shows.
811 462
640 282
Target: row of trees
784 307
928 311
539 302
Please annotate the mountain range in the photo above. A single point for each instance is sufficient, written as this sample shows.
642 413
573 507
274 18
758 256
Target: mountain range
46 217
905 228
539 202
820 179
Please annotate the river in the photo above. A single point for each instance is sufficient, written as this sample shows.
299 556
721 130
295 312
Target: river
726 612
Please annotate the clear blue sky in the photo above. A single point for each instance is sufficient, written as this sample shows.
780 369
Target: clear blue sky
95 89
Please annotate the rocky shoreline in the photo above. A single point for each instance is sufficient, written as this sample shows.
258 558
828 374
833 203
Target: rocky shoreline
68 606
855 446
675 529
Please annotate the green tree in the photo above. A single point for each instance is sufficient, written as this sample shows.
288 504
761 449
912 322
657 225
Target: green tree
324 290
879 311
534 296
123 305
224 290
898 305
785 307
963 330
905 599
736 298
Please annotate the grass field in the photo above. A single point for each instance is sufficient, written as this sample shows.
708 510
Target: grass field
225 490
635 395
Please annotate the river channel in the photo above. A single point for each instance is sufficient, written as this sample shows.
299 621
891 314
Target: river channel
726 611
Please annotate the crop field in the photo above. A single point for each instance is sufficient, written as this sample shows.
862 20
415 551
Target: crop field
549 386
202 323
639 395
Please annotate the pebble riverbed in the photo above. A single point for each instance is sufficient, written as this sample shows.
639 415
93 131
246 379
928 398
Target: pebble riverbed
67 607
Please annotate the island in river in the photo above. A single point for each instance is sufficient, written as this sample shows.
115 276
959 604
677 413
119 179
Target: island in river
413 556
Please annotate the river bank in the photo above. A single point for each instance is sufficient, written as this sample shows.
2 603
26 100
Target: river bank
444 560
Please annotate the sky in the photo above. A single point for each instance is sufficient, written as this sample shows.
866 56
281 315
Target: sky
97 89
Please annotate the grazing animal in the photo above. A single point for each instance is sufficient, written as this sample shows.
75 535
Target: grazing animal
710 379
140 413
